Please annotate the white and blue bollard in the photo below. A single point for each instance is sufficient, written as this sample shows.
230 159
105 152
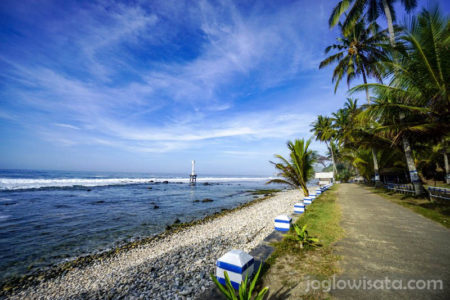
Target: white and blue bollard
318 192
299 208
283 223
313 197
238 264
307 200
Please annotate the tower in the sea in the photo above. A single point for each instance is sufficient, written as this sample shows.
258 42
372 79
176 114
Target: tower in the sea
193 176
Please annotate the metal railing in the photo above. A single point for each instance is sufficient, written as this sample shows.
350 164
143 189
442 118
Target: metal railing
439 193
401 188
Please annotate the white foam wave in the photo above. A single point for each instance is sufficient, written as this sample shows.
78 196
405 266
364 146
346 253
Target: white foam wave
26 183
4 217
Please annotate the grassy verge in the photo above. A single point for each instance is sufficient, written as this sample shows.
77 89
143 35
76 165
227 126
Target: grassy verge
436 211
289 267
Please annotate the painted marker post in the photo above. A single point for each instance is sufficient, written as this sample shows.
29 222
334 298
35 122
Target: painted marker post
299 208
237 264
313 197
318 193
283 223
307 200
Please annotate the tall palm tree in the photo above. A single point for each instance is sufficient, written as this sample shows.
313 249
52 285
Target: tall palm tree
416 102
374 7
298 169
324 132
358 53
354 9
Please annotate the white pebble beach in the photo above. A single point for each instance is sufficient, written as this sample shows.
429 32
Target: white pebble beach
174 267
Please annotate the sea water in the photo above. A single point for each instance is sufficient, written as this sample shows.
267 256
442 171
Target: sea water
47 217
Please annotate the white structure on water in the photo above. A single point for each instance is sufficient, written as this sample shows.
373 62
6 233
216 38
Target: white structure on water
325 177
193 176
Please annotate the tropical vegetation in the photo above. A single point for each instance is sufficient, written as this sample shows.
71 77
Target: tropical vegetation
299 168
245 291
402 132
303 237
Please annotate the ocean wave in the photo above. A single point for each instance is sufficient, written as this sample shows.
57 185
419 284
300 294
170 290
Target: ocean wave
7 184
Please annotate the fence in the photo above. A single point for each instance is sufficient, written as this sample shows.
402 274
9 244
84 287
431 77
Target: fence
401 188
439 193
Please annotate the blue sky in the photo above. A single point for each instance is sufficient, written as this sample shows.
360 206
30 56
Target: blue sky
148 86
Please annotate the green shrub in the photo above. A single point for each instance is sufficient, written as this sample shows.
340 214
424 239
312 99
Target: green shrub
245 293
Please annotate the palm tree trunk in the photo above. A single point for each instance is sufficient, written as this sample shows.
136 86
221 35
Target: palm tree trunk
447 168
375 168
374 155
332 160
406 146
387 13
305 190
415 180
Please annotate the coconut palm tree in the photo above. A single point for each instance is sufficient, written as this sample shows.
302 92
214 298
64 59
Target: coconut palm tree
416 102
354 9
358 53
324 132
298 169
374 8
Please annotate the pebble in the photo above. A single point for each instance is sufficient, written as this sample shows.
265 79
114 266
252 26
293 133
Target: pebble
173 267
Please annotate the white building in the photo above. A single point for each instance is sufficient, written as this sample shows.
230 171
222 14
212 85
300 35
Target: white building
324 177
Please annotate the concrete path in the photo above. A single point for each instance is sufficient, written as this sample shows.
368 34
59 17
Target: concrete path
384 239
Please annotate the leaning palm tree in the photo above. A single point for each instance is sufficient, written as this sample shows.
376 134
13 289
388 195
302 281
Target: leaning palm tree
298 169
324 132
416 103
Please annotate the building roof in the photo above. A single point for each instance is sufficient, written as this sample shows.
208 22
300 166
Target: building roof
324 175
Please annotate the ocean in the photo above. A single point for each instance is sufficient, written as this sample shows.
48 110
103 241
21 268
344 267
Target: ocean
47 217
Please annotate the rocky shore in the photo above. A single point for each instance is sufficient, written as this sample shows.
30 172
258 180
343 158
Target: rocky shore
174 266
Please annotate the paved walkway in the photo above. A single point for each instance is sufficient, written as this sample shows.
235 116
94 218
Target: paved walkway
384 239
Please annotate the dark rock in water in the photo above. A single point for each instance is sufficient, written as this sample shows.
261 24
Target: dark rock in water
155 207
165 182
206 183
224 209
254 197
61 206
151 181
196 201
99 202
9 203
207 200
177 221
153 202
149 188
88 190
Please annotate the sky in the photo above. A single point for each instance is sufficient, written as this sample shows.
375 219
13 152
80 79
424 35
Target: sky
148 86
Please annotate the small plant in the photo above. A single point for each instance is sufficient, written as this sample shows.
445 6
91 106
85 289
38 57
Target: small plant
301 235
244 294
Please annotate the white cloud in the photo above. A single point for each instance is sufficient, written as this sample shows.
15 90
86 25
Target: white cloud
172 105
66 126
